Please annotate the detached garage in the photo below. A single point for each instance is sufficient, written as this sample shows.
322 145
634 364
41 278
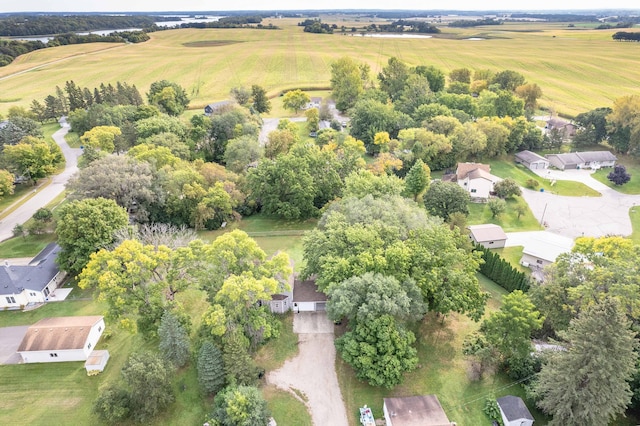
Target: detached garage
532 160
307 298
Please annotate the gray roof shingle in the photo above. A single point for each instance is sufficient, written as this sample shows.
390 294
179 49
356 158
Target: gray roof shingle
35 276
514 408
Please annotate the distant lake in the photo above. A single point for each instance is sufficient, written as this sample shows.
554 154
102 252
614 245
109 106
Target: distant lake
179 20
392 35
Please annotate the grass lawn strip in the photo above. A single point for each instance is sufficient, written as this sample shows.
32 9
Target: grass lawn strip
633 168
479 213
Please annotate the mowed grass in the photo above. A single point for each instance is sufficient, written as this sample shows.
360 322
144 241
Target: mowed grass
441 371
513 256
27 246
480 213
572 67
633 168
634 214
285 408
507 168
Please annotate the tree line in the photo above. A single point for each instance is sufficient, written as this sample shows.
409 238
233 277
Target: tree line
33 25
467 23
626 36
501 272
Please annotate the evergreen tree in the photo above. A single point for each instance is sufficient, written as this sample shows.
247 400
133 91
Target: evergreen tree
417 179
588 383
74 94
238 366
210 368
174 341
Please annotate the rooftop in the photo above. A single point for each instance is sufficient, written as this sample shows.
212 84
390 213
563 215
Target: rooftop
487 232
423 410
58 333
514 408
530 157
34 276
548 246
463 169
583 157
307 291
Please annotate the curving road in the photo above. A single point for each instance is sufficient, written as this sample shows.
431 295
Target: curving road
47 194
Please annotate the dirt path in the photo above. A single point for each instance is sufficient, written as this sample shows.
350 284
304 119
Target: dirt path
311 376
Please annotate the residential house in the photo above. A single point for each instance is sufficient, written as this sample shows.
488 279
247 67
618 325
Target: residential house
514 412
22 285
307 298
487 235
314 102
282 301
564 127
543 249
215 106
476 179
582 160
424 410
61 339
532 160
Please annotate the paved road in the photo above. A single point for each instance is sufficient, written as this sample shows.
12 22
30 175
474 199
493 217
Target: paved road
582 216
47 194
10 339
312 371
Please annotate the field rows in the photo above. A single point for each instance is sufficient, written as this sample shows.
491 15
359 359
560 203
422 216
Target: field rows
577 69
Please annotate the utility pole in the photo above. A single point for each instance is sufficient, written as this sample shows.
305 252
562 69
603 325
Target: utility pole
543 212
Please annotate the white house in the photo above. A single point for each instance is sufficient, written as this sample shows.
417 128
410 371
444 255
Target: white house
307 298
543 249
61 339
423 410
22 285
532 160
582 160
476 179
514 412
487 235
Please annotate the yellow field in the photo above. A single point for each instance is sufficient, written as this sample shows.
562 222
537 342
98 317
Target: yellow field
578 69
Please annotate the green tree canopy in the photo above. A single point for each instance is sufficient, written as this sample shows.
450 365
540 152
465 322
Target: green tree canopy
33 158
445 198
346 82
240 406
170 97
174 340
295 100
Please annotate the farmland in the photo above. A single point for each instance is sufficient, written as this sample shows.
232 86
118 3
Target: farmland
573 66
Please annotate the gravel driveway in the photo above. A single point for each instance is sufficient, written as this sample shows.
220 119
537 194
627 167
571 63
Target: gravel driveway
312 373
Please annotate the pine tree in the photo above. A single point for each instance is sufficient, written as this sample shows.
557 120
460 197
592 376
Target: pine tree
210 368
174 341
588 383
417 179
238 365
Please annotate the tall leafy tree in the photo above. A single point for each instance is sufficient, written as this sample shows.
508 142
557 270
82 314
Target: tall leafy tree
295 100
445 198
32 158
588 383
84 227
148 380
260 100
174 340
624 124
170 97
393 77
240 406
346 82
210 368
417 180
380 351
6 183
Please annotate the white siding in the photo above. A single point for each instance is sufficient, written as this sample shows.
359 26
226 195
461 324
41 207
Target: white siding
387 417
490 244
54 356
305 307
479 188
534 262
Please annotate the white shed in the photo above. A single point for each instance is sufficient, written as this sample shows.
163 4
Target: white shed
514 412
61 339
307 298
96 361
488 235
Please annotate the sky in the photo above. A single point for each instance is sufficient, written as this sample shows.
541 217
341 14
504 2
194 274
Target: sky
209 5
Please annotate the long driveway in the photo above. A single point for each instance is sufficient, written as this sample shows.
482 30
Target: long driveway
582 216
312 372
47 194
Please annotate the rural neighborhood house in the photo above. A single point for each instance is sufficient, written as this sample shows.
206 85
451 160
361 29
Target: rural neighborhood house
476 179
424 410
23 285
307 298
582 160
532 160
487 235
61 339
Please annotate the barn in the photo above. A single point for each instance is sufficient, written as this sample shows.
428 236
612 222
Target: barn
307 298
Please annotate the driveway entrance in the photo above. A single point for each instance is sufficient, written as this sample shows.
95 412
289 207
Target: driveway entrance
10 339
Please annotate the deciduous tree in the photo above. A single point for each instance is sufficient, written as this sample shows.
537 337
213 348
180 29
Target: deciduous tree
417 180
346 82
295 100
444 198
240 406
619 175
260 100
33 158
168 96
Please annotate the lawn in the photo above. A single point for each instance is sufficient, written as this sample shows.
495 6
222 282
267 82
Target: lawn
634 214
572 82
441 371
285 408
479 213
27 246
513 256
506 168
633 168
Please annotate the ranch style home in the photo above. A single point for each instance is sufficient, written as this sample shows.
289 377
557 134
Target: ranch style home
307 298
531 160
22 285
582 160
423 410
61 339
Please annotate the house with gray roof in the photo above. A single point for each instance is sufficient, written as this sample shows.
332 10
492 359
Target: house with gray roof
213 107
531 160
514 412
582 160
22 285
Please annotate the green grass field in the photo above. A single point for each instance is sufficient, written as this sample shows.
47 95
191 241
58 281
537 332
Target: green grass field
506 168
633 168
513 256
573 67
479 213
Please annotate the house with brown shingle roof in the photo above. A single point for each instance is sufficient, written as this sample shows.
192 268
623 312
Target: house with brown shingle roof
487 235
422 410
476 179
61 339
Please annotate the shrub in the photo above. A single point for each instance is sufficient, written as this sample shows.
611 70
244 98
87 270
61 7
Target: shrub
532 184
